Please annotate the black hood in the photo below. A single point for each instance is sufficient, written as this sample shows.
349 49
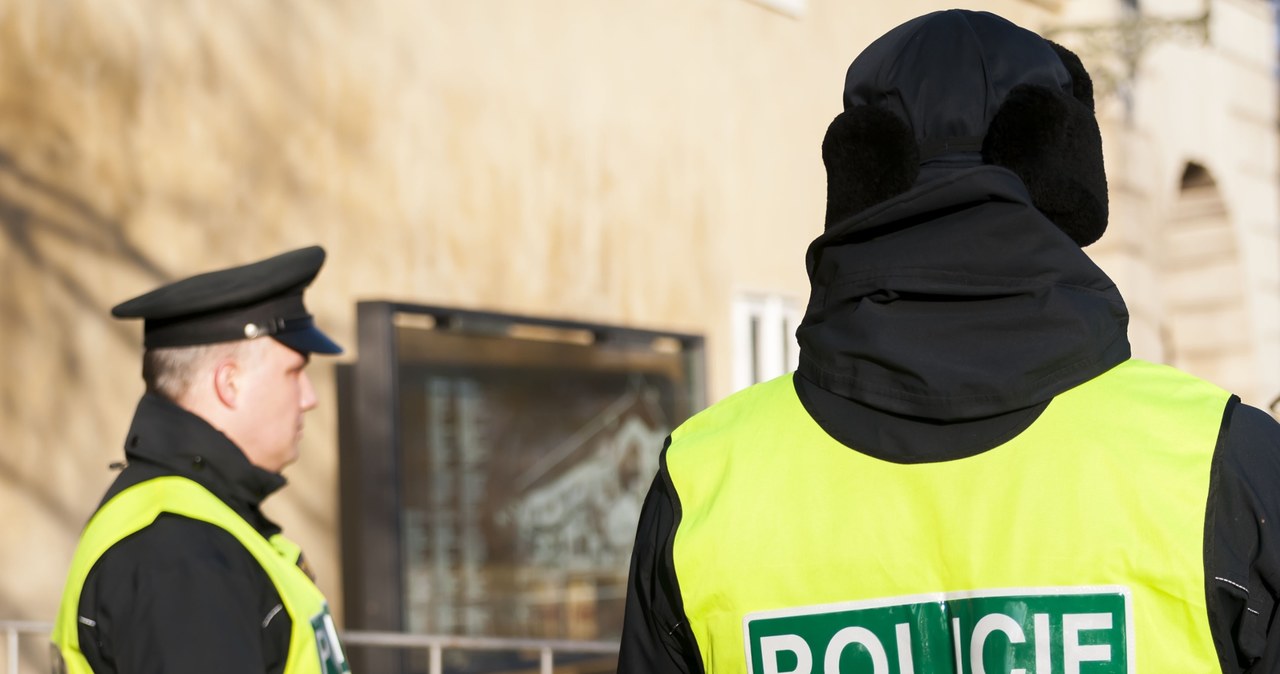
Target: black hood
974 60
956 300
968 87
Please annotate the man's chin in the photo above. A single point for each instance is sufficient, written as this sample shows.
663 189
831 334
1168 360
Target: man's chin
292 459
284 461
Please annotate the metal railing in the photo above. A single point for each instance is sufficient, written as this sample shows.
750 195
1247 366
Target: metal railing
12 630
433 644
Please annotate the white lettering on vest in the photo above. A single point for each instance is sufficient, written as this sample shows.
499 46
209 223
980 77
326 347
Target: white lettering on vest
1075 652
905 664
855 635
771 646
955 641
326 652
336 656
1043 661
994 622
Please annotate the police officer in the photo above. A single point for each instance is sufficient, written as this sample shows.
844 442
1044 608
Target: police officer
967 472
179 571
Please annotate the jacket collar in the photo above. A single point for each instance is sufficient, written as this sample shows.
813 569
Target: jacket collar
956 300
181 443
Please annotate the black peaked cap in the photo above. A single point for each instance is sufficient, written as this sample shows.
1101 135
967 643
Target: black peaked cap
254 300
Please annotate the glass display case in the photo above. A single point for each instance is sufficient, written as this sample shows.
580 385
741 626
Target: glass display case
493 468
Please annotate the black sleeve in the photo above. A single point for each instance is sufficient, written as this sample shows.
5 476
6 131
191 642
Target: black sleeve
181 597
656 637
1242 541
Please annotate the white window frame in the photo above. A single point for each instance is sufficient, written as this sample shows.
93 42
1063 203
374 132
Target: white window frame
764 341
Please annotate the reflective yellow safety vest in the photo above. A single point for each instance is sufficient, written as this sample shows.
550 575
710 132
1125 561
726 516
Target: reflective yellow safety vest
1076 546
313 644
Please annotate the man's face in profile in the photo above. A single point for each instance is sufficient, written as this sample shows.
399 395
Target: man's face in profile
275 392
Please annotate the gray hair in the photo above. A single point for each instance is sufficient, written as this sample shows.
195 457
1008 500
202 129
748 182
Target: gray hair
170 371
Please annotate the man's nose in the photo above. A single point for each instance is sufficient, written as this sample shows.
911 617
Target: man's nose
308 401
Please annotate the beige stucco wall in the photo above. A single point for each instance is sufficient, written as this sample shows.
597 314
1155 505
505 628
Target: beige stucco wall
1201 278
628 162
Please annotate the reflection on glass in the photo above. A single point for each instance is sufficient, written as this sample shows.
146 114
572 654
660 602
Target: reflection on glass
524 467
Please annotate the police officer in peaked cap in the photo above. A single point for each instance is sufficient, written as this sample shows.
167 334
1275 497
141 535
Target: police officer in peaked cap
179 571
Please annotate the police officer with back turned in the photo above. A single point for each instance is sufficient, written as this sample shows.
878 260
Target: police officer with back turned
967 472
179 571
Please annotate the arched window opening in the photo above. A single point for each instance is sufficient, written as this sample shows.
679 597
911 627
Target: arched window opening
1204 319
1195 176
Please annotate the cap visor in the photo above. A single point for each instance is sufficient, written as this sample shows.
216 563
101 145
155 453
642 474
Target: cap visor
309 340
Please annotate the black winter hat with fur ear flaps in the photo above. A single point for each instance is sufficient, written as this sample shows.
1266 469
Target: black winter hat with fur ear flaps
959 82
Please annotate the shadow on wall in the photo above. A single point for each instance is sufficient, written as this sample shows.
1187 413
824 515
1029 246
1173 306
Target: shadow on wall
99 234
135 143
48 235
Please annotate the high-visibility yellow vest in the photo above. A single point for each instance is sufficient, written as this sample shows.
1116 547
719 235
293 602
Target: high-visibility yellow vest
313 642
1076 546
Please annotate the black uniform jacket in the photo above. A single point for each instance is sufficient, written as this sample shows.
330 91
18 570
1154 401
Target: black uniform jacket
942 323
183 596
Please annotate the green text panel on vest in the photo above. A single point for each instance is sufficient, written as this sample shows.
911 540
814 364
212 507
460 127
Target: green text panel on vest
1060 630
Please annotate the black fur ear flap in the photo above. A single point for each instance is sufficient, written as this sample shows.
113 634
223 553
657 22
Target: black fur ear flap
871 156
1052 141
1081 83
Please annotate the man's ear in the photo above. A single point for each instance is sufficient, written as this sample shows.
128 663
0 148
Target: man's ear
226 382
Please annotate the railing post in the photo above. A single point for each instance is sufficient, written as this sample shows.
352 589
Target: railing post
546 660
435 666
11 639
